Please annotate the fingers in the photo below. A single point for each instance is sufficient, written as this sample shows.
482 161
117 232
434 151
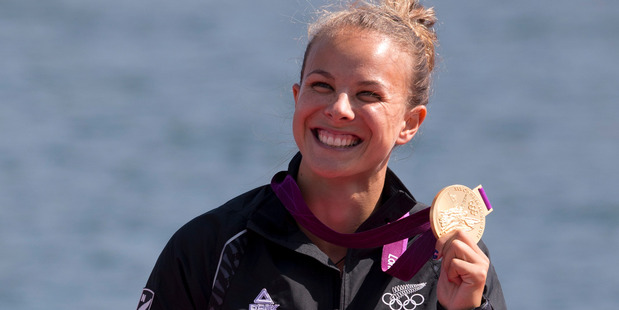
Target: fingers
459 244
463 271
463 260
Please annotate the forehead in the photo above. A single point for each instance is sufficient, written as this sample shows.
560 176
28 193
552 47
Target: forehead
354 51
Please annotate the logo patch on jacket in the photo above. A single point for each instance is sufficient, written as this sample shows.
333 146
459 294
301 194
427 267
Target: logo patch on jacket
263 302
403 297
146 300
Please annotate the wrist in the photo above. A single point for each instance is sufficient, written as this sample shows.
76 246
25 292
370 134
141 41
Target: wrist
483 305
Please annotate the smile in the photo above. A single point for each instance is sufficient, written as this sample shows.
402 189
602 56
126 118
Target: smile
336 140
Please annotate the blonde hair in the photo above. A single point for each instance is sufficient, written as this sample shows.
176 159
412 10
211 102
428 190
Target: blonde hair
406 22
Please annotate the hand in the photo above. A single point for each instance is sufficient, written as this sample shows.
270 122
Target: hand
463 271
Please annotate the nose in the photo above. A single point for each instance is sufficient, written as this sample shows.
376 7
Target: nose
340 109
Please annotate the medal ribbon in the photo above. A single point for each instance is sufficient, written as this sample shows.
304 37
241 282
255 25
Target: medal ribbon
482 193
393 235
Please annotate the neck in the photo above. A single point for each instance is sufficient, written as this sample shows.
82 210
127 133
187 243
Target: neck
341 203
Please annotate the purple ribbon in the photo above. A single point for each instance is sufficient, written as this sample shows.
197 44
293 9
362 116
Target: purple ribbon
391 234
482 192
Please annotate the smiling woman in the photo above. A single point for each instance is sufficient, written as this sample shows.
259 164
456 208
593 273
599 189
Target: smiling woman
354 89
296 244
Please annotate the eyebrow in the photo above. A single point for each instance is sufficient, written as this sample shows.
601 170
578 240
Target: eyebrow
371 83
321 72
330 76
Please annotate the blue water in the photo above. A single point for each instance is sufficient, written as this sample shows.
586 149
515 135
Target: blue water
121 120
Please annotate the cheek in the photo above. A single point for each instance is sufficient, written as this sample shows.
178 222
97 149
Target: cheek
296 122
299 121
304 108
382 116
385 123
299 115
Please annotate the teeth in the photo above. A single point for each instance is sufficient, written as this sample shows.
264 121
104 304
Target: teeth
337 140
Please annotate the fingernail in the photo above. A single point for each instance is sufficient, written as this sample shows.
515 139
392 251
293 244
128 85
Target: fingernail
435 255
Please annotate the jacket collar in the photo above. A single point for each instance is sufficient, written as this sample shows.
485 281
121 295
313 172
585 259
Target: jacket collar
388 211
272 220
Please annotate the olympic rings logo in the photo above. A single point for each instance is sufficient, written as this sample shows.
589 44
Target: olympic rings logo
402 301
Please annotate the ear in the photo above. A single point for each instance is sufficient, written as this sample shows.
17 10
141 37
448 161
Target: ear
295 93
413 119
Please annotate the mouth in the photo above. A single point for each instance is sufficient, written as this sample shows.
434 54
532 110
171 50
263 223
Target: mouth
331 139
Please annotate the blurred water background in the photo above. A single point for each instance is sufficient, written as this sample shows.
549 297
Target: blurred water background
120 120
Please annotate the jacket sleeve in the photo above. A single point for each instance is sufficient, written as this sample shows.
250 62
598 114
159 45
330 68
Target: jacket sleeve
493 293
181 278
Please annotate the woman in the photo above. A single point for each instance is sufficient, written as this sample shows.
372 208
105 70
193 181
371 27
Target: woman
363 90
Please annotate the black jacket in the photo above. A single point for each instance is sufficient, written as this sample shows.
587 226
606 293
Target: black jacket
250 254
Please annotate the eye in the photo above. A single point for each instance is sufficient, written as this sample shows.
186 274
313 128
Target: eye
369 96
321 87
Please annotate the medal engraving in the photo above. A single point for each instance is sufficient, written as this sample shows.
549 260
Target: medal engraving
457 207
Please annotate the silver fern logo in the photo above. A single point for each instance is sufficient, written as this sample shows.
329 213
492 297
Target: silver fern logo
403 297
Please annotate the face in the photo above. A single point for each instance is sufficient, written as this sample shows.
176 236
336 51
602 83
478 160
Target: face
351 106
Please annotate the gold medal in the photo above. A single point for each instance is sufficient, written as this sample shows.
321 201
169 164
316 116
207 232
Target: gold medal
459 207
